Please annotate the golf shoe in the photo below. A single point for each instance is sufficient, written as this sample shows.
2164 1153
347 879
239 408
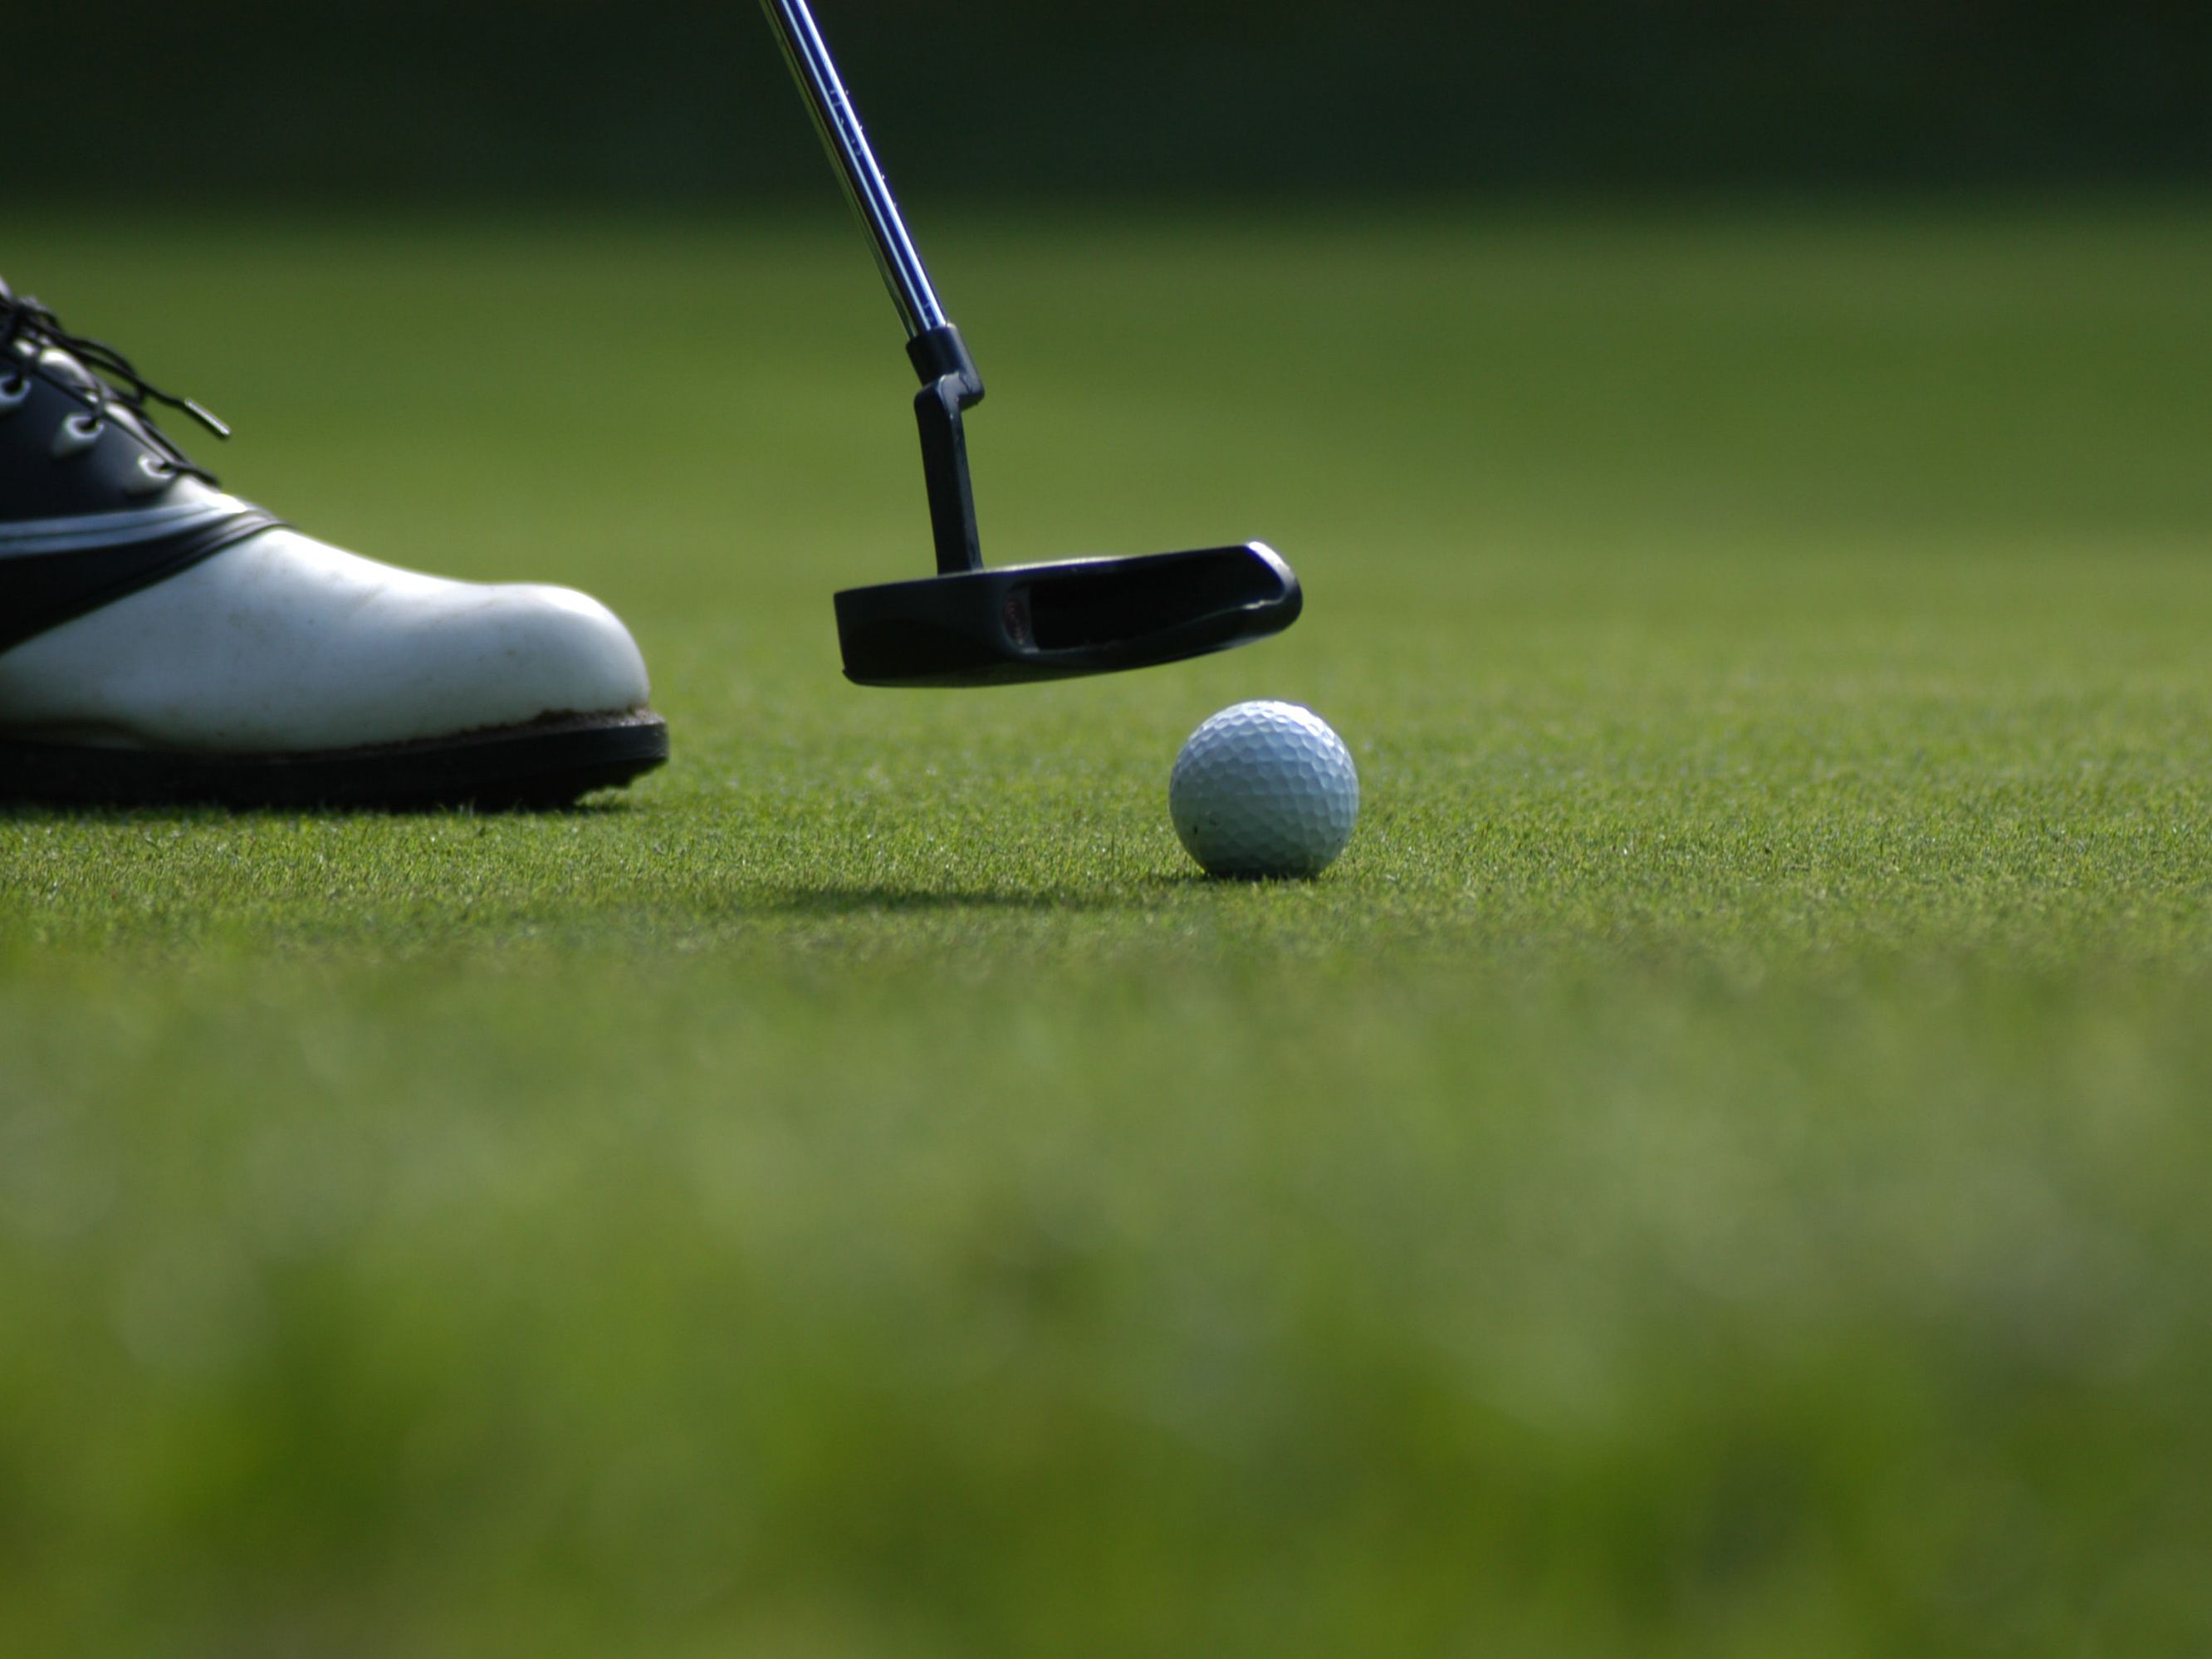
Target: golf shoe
161 641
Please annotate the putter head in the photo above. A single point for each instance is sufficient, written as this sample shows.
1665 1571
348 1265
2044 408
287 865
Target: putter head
1012 623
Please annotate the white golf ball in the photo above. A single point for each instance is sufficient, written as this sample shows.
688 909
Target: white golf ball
1264 789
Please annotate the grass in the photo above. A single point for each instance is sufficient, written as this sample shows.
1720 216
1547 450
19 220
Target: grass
1716 1169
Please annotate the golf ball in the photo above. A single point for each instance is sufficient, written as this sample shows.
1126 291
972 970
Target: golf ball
1264 789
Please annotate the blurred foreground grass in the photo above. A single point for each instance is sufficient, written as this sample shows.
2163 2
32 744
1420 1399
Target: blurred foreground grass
1716 1170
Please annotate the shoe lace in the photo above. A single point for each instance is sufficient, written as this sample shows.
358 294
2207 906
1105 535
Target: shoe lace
28 329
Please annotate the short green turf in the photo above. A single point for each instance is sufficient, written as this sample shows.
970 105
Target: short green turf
1718 1168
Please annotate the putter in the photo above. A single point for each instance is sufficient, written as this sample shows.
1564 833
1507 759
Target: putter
969 625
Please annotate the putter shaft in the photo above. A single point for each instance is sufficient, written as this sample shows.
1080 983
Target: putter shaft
839 123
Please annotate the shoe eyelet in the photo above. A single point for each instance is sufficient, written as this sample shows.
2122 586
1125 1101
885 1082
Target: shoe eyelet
14 392
78 433
150 477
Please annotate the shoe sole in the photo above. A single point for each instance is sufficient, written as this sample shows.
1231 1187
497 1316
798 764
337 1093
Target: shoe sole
548 763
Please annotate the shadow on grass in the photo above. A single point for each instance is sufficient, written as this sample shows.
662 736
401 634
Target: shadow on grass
1197 881
880 899
834 900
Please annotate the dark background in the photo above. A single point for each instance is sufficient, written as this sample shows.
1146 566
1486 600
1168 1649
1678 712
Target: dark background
595 101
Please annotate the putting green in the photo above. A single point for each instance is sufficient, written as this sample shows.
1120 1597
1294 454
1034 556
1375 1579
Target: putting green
1716 1170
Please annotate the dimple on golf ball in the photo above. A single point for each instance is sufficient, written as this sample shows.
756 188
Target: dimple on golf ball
1264 789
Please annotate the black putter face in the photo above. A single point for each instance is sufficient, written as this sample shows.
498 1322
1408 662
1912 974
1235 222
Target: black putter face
1013 623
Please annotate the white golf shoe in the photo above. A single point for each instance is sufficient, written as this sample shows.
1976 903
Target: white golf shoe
162 642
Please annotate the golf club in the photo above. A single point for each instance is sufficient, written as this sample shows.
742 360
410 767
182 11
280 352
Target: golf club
969 625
